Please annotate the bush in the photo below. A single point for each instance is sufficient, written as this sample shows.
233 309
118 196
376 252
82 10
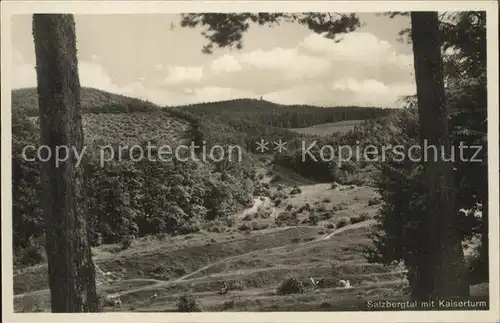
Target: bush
342 206
342 222
258 226
215 226
187 303
264 214
188 228
248 217
321 208
286 218
237 285
126 243
295 190
330 225
365 216
245 227
327 215
374 201
360 218
228 305
32 255
277 178
355 219
314 218
289 286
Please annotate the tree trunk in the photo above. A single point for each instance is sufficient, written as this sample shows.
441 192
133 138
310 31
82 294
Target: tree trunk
446 257
483 265
70 265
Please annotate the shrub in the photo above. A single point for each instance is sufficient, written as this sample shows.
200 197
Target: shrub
187 228
245 227
256 226
342 206
289 207
373 201
32 255
237 285
290 285
355 219
314 218
327 215
335 185
321 208
342 222
215 226
228 305
327 200
286 218
330 225
187 303
365 216
126 243
305 207
295 190
264 214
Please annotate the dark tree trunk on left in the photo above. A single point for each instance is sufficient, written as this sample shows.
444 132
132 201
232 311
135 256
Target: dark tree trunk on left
71 269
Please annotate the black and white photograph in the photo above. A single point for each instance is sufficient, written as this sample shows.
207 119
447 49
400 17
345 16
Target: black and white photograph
258 158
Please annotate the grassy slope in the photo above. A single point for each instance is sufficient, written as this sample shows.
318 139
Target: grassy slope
112 118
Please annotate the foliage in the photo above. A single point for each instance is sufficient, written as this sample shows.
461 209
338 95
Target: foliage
290 285
227 29
187 303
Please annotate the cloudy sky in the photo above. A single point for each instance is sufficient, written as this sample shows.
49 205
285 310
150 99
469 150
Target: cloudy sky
146 56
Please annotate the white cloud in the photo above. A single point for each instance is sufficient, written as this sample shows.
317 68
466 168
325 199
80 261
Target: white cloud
356 69
225 63
360 47
284 63
344 92
92 74
361 69
181 74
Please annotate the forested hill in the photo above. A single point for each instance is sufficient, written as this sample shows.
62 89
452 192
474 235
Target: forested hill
284 116
93 100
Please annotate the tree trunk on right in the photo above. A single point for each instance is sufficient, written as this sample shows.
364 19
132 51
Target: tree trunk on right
445 254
